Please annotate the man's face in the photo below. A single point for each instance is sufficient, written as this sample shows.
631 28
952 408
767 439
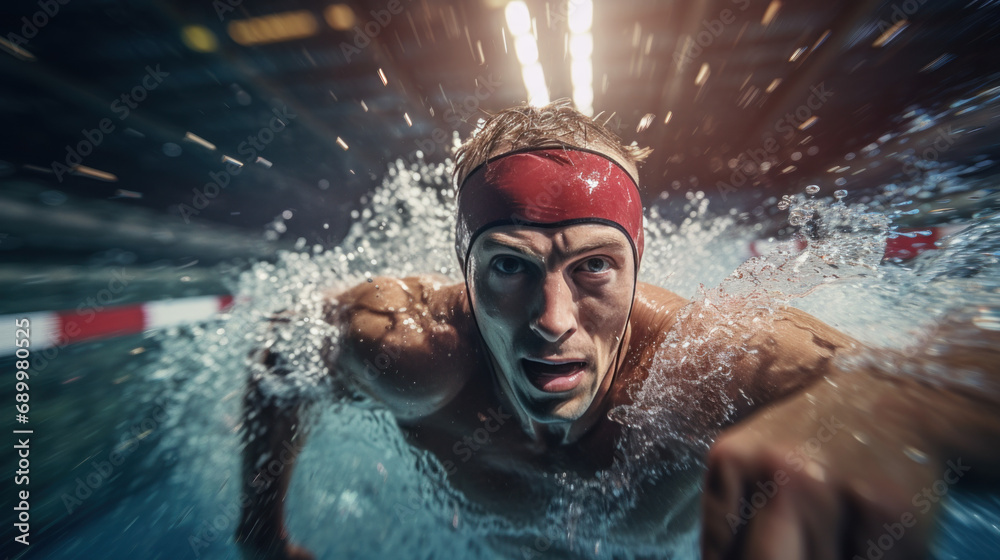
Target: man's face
552 305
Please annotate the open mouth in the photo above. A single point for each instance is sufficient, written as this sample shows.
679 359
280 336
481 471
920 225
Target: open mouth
554 376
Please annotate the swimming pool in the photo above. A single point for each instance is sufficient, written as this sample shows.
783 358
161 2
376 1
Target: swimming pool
359 490
135 450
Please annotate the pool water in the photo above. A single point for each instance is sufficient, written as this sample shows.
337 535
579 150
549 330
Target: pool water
360 492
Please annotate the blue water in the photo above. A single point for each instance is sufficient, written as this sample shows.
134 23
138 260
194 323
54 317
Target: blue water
360 492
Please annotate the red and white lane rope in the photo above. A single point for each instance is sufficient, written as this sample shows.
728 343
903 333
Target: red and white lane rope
908 243
58 328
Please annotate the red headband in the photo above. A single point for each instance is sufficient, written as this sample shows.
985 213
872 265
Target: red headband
548 188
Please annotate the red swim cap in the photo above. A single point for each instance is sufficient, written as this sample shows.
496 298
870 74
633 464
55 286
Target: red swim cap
549 187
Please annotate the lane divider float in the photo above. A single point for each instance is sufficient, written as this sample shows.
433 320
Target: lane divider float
59 328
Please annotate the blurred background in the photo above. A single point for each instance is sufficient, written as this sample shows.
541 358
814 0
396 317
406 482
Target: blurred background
151 148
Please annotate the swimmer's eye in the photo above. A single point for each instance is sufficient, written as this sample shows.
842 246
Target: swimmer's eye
596 265
508 265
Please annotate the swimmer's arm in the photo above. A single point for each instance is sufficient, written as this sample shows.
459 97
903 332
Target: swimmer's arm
765 358
783 356
272 439
944 392
869 453
407 342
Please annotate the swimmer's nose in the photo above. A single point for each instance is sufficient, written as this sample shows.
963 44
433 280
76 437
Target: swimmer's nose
556 318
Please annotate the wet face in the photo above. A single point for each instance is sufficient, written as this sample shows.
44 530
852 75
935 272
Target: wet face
552 305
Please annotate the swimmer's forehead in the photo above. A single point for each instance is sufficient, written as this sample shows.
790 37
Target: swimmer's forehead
564 242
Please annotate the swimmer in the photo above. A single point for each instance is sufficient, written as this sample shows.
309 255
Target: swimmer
508 377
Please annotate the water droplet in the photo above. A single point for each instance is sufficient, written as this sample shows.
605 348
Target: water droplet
839 194
797 218
812 189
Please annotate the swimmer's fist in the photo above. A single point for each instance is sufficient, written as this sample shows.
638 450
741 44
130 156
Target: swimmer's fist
262 541
819 477
295 552
274 550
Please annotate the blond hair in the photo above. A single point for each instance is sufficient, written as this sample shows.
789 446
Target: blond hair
556 124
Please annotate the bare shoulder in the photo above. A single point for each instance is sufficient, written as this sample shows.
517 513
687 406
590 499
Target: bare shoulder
785 354
655 308
768 358
408 342
654 314
808 330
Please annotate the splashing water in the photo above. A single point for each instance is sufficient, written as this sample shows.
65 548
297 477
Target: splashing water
359 477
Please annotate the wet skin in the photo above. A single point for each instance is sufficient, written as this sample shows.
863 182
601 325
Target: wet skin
529 399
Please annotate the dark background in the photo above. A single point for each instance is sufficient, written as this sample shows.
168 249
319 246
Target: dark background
916 113
434 53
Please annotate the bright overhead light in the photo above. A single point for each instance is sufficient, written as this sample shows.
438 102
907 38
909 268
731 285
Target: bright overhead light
581 45
339 16
527 49
534 82
581 16
582 72
583 96
199 38
518 17
273 28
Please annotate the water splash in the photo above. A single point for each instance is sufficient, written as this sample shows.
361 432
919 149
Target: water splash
359 474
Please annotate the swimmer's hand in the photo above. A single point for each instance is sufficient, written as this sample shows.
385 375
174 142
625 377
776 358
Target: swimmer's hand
814 479
855 466
275 549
